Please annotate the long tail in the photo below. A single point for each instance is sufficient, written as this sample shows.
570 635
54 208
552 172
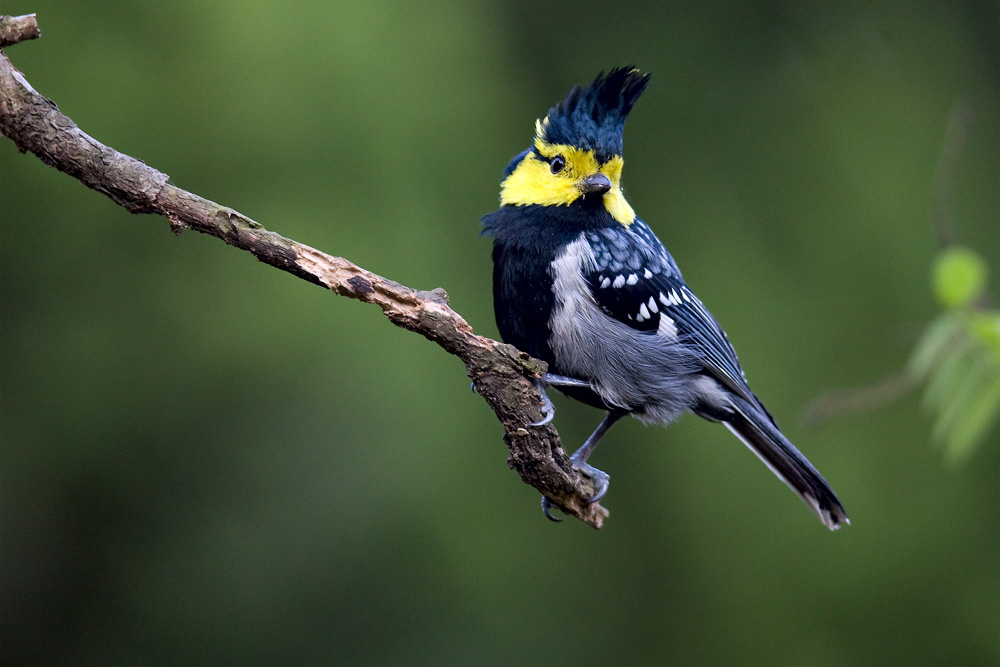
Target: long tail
758 432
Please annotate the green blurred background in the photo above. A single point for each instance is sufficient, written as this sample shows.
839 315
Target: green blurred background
208 461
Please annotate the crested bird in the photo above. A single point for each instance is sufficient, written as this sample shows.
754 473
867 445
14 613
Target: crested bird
582 283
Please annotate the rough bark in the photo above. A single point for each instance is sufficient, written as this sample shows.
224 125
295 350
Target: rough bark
14 29
503 376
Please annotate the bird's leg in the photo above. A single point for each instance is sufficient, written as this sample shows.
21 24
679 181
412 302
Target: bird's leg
553 380
579 458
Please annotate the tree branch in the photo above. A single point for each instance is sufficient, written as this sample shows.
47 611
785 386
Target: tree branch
502 375
14 29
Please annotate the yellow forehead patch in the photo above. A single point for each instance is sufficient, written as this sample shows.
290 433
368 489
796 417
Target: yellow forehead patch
533 182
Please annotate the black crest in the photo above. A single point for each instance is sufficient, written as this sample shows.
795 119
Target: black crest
593 116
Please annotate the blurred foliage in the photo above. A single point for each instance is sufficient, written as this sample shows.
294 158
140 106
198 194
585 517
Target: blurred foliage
959 278
205 461
959 355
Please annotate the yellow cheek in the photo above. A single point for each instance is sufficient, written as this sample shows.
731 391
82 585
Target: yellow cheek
533 182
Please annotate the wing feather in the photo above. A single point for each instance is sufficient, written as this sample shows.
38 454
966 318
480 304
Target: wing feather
635 281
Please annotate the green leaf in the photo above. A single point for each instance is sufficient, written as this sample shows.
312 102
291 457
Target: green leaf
977 420
927 355
985 326
958 362
953 364
972 376
959 277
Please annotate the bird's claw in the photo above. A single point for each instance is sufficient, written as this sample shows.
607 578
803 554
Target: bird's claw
602 487
546 506
552 380
548 410
601 480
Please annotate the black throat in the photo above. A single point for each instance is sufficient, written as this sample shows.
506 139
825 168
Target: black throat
525 242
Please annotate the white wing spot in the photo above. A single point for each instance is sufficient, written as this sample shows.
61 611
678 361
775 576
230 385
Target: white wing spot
652 305
643 313
605 281
619 281
648 274
639 318
685 294
632 279
664 300
667 327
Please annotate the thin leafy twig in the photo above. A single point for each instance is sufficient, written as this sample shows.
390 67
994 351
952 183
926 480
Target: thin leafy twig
956 137
843 402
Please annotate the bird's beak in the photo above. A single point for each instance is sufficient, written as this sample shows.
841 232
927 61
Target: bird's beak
596 184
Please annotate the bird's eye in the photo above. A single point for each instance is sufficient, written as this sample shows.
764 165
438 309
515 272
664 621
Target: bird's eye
557 163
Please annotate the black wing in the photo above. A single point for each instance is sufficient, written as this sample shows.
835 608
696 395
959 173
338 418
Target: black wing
635 281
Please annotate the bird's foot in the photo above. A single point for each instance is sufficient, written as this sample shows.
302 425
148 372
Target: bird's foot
600 479
553 380
548 410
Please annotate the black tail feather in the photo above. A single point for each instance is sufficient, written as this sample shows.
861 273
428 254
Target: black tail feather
755 428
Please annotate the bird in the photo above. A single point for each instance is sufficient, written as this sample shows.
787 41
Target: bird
582 283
